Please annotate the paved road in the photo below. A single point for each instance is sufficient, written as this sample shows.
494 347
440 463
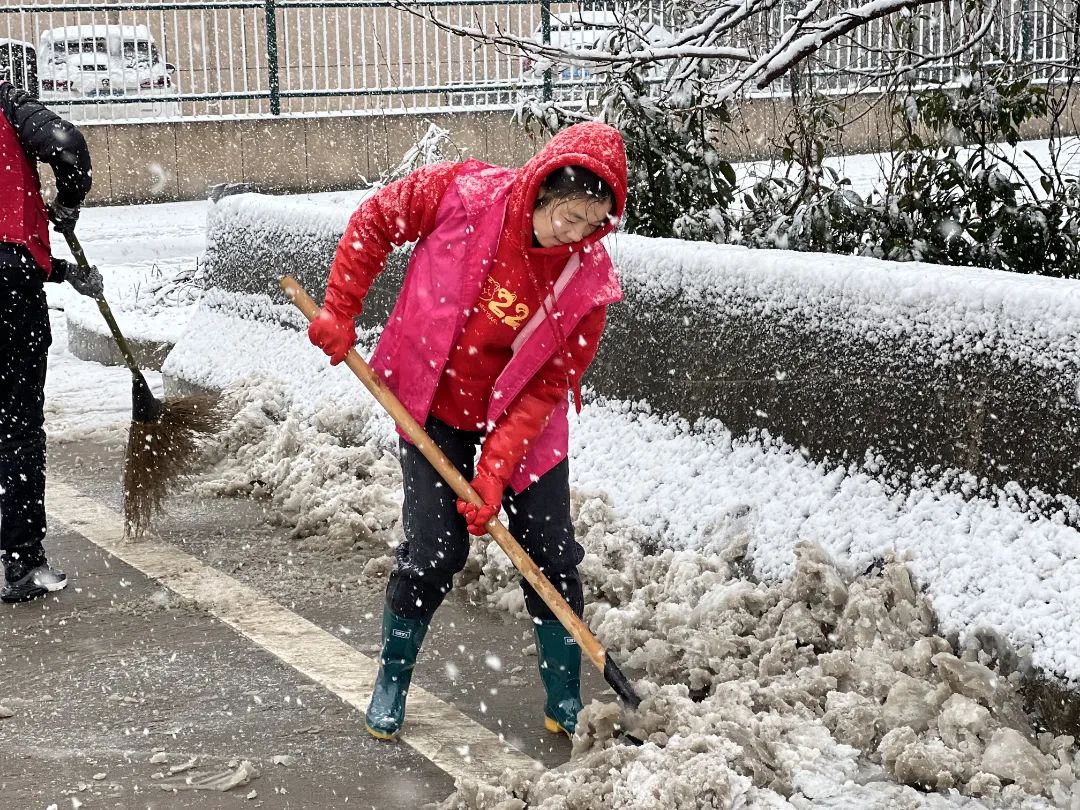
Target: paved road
118 680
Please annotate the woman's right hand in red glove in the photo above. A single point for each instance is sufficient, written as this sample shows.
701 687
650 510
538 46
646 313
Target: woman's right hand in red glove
334 334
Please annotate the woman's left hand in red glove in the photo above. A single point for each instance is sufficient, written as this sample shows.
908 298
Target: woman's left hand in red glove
490 489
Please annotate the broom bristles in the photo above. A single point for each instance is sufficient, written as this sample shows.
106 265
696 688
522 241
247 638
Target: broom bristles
161 452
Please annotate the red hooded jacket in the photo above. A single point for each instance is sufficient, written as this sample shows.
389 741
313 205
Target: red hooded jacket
521 276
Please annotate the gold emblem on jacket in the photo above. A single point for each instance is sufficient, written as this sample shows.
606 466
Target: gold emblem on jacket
497 301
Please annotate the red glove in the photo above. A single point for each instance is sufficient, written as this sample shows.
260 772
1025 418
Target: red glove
490 489
334 334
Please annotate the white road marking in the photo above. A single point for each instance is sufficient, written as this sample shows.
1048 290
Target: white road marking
451 740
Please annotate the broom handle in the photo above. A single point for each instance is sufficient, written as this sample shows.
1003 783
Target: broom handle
419 437
103 306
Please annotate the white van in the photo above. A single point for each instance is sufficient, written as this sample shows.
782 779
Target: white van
105 62
586 30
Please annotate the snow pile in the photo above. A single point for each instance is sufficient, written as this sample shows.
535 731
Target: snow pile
824 690
985 562
681 486
332 475
773 676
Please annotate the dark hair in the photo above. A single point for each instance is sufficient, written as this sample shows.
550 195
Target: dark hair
574 182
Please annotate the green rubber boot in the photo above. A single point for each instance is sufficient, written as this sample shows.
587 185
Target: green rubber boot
560 669
401 644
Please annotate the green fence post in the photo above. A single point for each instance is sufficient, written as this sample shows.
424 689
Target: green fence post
545 28
272 57
1027 45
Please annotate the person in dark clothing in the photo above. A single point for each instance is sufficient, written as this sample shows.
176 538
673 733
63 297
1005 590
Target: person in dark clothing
29 133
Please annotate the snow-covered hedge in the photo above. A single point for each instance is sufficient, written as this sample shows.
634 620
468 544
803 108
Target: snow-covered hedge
927 366
253 239
959 367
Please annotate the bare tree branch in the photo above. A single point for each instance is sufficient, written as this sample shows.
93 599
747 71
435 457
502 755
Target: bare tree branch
897 70
716 53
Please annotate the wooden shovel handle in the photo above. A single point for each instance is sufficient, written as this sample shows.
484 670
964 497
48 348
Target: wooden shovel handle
419 437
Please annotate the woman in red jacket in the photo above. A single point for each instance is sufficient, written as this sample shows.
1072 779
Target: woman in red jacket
500 313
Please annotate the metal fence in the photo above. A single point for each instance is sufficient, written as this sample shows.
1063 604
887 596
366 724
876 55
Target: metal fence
112 59
1035 34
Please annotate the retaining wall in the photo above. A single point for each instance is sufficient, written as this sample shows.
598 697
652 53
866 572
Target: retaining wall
163 161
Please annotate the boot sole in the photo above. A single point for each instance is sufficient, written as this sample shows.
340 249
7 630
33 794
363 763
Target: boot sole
554 727
380 735
28 596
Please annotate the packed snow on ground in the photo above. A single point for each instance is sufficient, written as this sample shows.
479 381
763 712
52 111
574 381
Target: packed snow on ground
867 171
144 253
151 259
140 251
85 400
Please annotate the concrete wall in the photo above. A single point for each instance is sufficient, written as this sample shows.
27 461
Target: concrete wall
162 162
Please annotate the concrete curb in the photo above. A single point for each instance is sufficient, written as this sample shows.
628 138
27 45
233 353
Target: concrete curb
98 347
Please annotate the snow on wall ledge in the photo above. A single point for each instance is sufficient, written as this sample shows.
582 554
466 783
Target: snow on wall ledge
253 239
926 366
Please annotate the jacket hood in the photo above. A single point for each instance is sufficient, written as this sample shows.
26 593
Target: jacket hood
595 146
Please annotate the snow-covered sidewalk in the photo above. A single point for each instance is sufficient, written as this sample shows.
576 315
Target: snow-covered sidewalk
136 248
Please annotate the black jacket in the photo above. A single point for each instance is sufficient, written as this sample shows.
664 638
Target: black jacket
47 137
44 136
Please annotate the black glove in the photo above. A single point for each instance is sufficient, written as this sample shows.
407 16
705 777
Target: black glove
88 282
63 217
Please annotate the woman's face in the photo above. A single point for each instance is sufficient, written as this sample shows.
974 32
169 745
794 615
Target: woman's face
566 221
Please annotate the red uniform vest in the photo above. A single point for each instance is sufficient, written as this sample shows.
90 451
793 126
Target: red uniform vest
23 220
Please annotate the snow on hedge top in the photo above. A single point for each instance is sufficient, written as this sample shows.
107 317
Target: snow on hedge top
941 313
315 214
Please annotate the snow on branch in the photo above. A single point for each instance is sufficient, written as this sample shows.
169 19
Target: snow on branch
522 44
722 46
806 36
908 60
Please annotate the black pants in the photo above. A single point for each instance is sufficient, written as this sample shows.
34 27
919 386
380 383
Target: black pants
24 346
437 541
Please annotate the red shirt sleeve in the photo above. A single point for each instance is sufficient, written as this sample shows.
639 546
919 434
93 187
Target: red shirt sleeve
516 430
401 212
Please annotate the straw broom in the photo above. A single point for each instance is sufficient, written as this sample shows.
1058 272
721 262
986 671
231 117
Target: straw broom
163 437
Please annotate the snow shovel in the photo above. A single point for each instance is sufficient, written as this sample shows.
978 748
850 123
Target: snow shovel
521 560
161 441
